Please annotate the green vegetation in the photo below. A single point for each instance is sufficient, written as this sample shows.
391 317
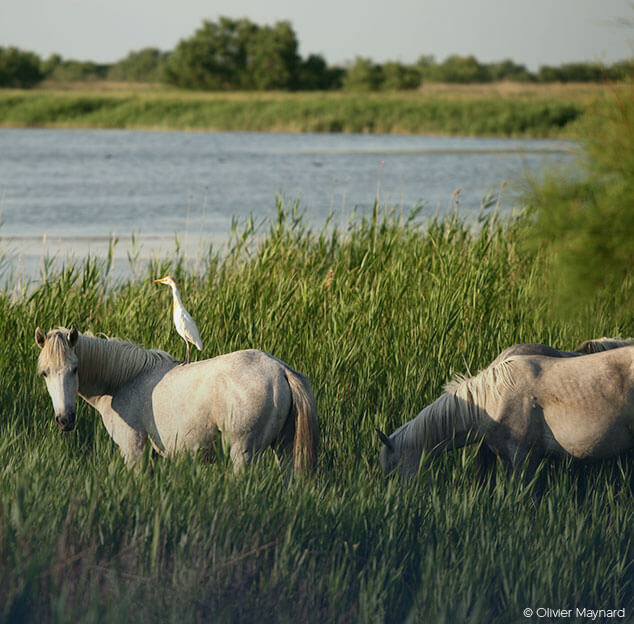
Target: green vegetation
379 316
58 70
143 66
586 221
238 54
412 113
235 54
19 69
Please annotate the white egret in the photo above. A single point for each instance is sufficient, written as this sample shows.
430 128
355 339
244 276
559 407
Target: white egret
185 324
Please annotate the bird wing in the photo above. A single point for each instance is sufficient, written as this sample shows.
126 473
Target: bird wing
187 328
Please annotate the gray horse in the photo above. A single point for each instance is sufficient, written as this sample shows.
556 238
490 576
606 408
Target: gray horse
524 408
251 397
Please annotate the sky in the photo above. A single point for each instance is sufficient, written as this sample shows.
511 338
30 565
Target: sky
530 32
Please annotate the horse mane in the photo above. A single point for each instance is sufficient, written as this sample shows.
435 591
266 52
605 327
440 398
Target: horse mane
603 344
56 349
456 411
487 384
113 360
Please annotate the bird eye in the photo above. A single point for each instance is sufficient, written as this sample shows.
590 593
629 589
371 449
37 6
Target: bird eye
44 373
74 371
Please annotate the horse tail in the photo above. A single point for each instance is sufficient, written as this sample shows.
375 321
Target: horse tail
303 416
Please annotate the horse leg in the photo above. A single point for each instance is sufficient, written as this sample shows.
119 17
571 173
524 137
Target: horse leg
131 448
283 445
130 441
240 456
525 464
485 463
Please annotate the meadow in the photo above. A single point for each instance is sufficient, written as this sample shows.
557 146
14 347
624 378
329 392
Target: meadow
500 109
379 315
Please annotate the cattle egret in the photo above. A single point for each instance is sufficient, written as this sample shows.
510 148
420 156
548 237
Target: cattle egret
185 324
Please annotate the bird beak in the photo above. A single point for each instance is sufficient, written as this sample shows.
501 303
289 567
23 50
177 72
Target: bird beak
167 280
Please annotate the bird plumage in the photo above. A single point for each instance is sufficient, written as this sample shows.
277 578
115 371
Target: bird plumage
183 321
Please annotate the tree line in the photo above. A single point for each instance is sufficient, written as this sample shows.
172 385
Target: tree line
237 54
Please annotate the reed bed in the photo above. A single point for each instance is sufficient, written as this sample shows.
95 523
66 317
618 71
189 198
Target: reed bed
500 110
379 315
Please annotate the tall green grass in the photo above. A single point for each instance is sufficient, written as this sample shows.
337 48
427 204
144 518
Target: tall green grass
316 112
379 316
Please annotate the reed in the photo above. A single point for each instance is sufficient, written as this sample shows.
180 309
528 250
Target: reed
502 112
380 315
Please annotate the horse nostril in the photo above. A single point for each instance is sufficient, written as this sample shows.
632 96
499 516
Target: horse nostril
65 422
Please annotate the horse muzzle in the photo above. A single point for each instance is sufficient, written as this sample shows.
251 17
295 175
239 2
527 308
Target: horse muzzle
66 422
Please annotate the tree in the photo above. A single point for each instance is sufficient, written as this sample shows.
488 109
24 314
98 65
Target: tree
214 58
48 66
623 70
465 69
315 75
508 70
19 69
146 65
56 68
236 54
572 72
272 58
427 67
397 76
363 75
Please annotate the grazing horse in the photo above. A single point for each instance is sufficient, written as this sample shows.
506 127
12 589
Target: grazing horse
251 397
524 408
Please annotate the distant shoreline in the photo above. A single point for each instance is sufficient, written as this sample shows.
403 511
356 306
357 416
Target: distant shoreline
497 109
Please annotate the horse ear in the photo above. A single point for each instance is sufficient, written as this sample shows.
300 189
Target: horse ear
40 337
73 334
385 440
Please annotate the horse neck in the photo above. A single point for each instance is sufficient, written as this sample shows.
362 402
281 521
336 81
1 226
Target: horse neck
448 421
474 398
106 365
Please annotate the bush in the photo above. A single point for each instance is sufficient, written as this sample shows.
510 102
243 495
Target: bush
363 75
147 65
62 70
585 223
19 69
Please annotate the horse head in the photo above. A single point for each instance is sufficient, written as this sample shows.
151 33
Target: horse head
57 363
389 457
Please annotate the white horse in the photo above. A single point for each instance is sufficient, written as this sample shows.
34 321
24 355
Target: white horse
251 397
524 408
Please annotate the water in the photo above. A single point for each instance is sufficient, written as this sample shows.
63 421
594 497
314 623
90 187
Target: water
66 192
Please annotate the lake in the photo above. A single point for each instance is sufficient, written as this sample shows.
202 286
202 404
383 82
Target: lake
64 193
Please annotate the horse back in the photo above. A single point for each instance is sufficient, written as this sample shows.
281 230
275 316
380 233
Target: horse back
244 394
585 405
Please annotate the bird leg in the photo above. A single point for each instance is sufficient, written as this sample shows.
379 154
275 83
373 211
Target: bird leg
187 354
